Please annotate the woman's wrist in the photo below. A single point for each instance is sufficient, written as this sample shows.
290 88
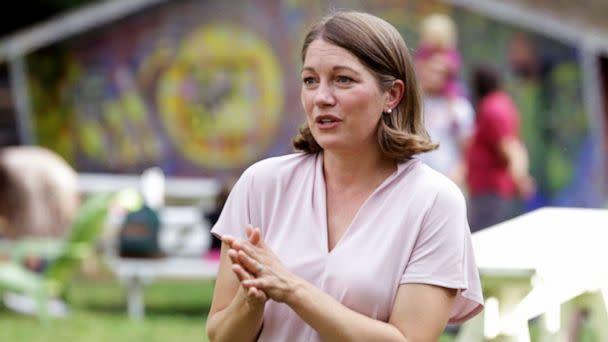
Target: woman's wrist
297 291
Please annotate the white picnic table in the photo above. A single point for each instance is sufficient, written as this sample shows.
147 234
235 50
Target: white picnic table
545 263
134 274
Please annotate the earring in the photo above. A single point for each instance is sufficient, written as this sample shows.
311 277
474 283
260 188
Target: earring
388 111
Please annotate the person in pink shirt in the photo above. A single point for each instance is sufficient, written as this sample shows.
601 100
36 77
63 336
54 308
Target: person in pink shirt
351 238
497 160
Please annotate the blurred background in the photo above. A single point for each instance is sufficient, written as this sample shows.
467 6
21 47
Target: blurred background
199 90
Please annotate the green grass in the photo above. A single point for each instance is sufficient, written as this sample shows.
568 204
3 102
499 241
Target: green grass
175 311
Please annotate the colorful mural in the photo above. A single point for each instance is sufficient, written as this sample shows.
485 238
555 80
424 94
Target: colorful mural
220 105
181 86
207 88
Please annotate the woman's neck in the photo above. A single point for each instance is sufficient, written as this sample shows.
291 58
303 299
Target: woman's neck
351 169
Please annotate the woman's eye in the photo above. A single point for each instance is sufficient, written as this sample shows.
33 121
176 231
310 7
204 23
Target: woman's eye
344 79
308 80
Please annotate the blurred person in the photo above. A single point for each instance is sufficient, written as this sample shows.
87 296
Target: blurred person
497 160
38 192
448 118
523 57
353 238
449 121
438 37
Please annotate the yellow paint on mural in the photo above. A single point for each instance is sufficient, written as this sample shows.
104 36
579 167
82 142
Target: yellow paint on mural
221 99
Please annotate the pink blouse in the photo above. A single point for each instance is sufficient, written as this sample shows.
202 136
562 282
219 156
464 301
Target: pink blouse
412 229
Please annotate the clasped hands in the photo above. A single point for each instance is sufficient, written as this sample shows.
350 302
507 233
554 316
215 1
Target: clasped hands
261 273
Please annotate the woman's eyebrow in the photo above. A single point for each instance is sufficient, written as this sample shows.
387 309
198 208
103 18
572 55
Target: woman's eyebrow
337 67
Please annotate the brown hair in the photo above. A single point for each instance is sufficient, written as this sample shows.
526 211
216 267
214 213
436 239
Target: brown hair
485 80
380 47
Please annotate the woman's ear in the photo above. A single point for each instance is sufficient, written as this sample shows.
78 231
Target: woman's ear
395 94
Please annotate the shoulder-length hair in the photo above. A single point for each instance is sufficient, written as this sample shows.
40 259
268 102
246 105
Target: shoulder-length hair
380 47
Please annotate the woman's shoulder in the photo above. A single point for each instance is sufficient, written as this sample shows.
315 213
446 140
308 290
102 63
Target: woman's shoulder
275 167
278 163
431 193
433 183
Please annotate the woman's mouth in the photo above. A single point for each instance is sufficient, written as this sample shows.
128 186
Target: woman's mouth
327 121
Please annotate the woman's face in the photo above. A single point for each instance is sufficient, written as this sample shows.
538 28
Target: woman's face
341 98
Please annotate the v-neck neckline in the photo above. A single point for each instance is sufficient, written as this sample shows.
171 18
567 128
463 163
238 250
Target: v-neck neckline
323 202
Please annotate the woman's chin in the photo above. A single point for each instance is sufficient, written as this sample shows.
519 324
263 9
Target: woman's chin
332 145
327 144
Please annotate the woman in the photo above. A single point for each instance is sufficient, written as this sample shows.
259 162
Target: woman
448 115
497 161
354 239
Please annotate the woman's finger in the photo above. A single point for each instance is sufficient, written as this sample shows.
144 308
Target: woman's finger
257 233
248 231
250 264
248 248
252 291
258 283
253 235
239 244
233 255
259 294
255 292
241 273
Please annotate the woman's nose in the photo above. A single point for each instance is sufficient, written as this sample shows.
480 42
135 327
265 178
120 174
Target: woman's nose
324 95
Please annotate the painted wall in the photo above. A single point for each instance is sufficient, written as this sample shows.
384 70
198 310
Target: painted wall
205 88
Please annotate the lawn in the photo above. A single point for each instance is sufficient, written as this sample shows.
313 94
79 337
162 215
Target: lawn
175 311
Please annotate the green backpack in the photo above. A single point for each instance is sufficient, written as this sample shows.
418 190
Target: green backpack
139 233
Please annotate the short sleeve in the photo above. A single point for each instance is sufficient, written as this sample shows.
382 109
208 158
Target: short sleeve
236 213
443 254
498 120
